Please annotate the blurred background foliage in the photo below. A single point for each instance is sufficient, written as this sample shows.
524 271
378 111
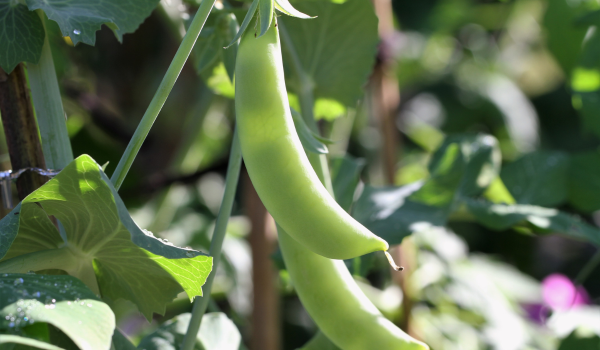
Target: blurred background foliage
496 167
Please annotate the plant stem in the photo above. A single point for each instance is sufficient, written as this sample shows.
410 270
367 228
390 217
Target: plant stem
162 93
20 129
231 181
49 108
589 267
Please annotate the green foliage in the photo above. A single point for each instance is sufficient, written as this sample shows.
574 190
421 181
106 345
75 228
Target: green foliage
580 340
21 35
217 332
538 178
335 50
129 263
62 301
307 137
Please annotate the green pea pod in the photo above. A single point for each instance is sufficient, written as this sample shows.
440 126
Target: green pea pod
278 167
336 303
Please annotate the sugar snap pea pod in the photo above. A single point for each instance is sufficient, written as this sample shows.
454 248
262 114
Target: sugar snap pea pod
278 167
336 303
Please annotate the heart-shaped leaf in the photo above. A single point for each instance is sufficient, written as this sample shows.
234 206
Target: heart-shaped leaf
104 247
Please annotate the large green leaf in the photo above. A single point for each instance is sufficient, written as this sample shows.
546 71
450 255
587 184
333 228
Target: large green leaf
336 50
62 301
482 157
129 263
537 219
395 212
217 332
21 35
538 178
80 19
580 340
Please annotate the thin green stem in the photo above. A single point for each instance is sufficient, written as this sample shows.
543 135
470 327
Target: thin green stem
162 93
231 181
49 110
587 270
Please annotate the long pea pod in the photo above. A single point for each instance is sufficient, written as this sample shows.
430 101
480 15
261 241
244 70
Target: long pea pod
336 303
278 167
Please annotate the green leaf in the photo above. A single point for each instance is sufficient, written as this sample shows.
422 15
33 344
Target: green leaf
129 263
328 109
80 19
245 22
482 155
21 35
208 50
541 220
62 301
319 342
579 340
345 176
538 178
584 181
287 8
228 27
217 332
15 339
308 139
121 342
265 13
336 50
564 38
395 212
9 226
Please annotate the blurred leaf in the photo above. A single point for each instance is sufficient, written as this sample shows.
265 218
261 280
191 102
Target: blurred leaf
564 38
319 342
541 220
308 139
336 50
121 342
578 341
218 81
395 212
328 109
584 181
22 35
498 193
208 50
129 263
63 301
345 176
217 332
482 155
538 178
247 18
80 19
6 339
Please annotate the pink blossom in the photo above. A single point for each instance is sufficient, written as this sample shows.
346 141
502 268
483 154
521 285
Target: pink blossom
560 294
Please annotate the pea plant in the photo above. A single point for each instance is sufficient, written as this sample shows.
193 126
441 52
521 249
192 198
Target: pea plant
72 257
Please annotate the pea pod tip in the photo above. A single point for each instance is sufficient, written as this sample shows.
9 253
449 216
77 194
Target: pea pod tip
392 262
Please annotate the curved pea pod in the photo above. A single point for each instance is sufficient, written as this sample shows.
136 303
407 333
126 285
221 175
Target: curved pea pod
336 303
278 167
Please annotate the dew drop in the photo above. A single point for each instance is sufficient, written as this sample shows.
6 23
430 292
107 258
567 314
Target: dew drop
76 31
25 318
11 325
18 281
37 294
189 254
89 305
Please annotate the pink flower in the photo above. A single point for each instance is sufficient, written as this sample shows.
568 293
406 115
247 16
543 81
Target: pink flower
561 294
